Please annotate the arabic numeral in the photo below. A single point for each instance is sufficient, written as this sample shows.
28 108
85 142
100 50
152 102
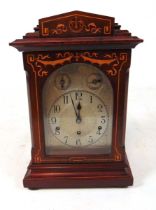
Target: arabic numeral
66 99
99 130
78 95
91 140
103 120
56 108
66 139
78 142
99 107
53 120
57 131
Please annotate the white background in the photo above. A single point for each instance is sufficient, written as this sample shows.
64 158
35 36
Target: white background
18 17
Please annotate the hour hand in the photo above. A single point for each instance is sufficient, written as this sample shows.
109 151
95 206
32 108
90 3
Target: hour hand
78 119
79 106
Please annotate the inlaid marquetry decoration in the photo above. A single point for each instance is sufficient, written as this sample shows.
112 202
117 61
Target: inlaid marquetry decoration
112 62
77 68
76 23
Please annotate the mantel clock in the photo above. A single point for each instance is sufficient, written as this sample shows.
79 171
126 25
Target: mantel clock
77 67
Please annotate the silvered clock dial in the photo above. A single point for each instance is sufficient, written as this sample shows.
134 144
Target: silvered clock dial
77 108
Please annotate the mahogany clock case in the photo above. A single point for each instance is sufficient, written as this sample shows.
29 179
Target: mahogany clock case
77 37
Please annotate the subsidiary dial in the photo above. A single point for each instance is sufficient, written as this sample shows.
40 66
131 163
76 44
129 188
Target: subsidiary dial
94 81
62 81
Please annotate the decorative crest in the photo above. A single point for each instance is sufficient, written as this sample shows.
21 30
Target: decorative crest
76 23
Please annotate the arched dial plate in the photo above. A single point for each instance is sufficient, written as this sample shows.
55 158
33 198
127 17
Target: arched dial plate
77 111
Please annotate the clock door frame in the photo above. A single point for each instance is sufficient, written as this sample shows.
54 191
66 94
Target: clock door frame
114 63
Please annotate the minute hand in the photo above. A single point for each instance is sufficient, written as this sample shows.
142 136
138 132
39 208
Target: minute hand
74 106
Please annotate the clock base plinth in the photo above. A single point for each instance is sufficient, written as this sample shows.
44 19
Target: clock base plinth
113 174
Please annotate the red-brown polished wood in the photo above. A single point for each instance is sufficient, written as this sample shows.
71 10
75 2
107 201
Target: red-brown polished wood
87 38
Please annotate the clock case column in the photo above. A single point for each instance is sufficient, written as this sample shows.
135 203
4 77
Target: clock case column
96 40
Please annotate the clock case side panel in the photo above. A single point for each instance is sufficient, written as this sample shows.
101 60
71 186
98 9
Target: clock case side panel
120 86
34 102
123 104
